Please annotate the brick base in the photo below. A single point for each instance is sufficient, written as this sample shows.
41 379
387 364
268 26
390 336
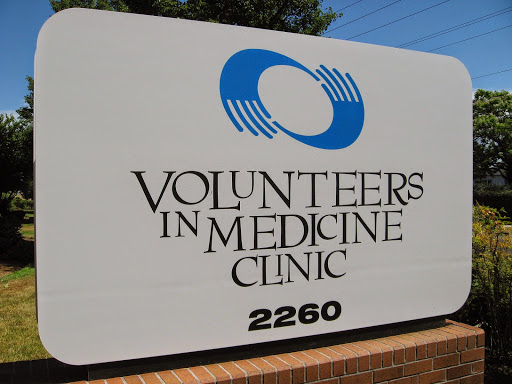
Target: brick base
450 354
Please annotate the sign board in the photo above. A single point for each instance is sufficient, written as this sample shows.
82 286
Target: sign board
201 186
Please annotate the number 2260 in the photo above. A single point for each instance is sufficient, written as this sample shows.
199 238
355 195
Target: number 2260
307 314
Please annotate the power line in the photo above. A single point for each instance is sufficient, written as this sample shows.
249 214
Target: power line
490 74
469 38
456 27
397 20
362 17
348 6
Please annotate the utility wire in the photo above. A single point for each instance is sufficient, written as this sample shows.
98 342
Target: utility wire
397 20
456 27
490 74
469 38
348 6
362 17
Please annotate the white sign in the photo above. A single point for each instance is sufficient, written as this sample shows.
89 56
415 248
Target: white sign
202 186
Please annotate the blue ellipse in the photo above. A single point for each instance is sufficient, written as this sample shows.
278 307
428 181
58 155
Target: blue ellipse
239 84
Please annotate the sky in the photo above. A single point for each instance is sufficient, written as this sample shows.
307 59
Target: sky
21 20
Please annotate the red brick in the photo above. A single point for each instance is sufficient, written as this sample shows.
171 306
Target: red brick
375 354
472 355
418 367
470 334
479 366
220 374
475 379
363 356
312 371
421 345
361 378
350 358
185 376
410 347
324 363
269 371
405 380
398 350
480 338
150 378
114 380
92 382
331 381
298 368
446 360
390 373
132 380
284 370
234 372
432 377
203 375
253 373
440 341
451 340
338 361
462 339
458 371
168 377
429 341
386 351
479 332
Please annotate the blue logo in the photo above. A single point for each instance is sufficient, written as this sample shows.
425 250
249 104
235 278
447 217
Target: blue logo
239 94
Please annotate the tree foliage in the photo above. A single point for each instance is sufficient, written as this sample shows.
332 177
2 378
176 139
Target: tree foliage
298 16
15 155
489 304
15 170
16 167
26 113
492 134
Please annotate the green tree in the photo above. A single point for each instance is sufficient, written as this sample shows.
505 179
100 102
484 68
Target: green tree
15 155
298 16
15 169
492 134
26 116
26 113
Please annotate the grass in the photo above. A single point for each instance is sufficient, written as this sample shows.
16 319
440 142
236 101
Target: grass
19 336
27 231
19 274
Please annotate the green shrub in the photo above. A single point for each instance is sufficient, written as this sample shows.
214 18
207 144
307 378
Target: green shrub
19 203
12 245
494 196
29 205
10 224
489 304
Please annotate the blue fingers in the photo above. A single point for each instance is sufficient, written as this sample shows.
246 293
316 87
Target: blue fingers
355 87
257 124
261 118
329 83
340 76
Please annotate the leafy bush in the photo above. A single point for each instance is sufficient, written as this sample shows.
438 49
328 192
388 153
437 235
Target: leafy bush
490 302
10 224
23 204
29 204
494 196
